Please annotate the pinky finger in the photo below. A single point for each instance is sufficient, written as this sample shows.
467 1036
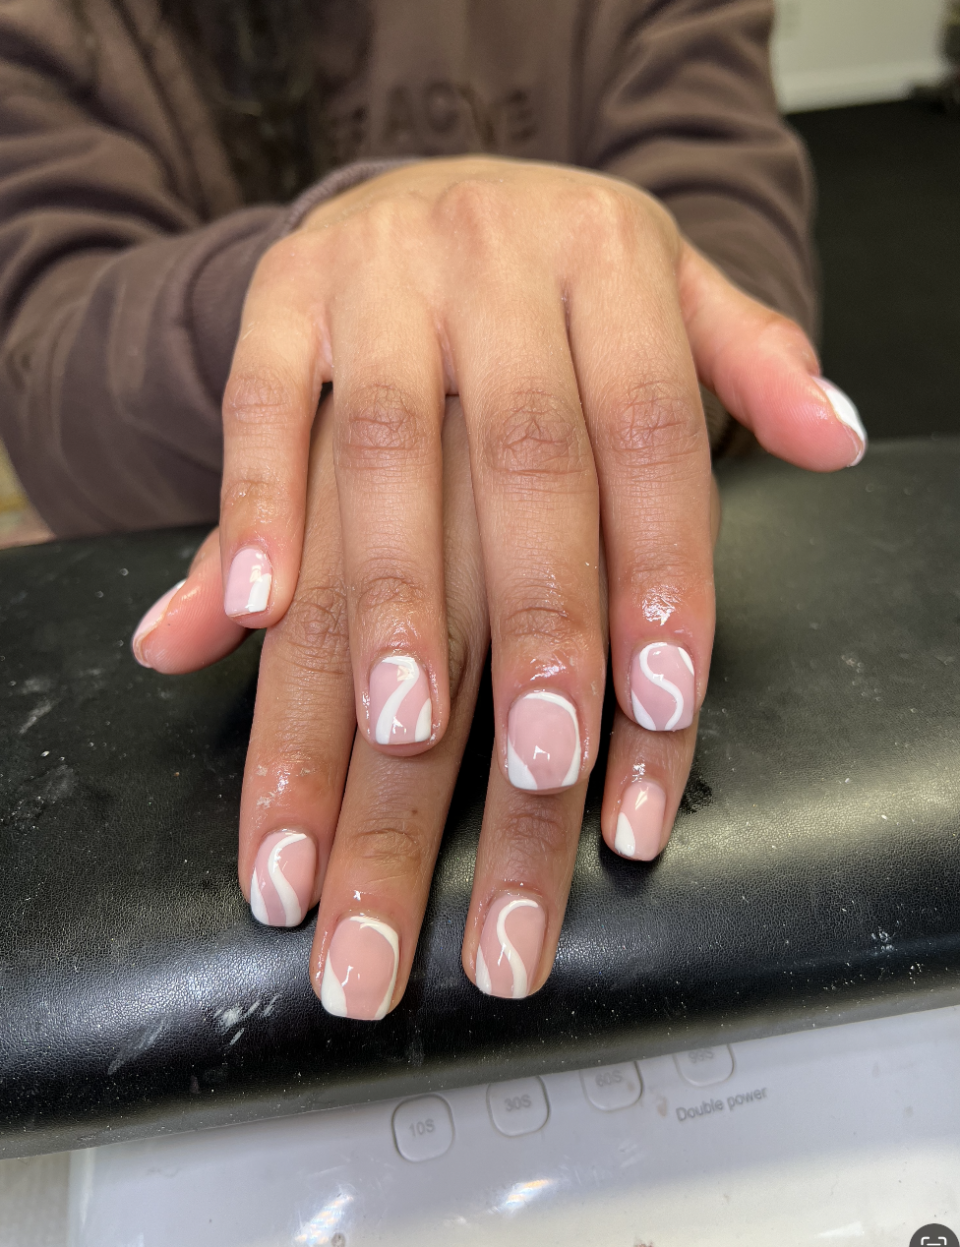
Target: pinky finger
646 776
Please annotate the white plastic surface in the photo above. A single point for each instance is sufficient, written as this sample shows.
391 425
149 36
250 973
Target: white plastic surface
845 1135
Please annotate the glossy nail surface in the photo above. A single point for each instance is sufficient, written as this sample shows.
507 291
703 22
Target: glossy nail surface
150 621
640 821
360 972
282 880
510 946
248 584
400 707
543 742
846 412
662 688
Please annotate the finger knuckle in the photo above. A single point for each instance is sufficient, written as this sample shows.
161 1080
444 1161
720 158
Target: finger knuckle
261 396
604 212
545 616
536 831
380 588
472 206
383 426
314 630
652 424
537 437
391 850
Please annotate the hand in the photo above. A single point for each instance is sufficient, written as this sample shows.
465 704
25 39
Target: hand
574 322
357 829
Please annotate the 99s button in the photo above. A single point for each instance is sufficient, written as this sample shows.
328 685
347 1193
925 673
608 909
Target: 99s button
612 1087
423 1128
518 1107
702 1067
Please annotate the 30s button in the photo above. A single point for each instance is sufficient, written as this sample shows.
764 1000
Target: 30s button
518 1107
423 1128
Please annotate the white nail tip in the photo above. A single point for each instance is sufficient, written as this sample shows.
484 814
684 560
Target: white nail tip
483 975
257 905
518 772
331 992
846 412
424 722
625 842
259 593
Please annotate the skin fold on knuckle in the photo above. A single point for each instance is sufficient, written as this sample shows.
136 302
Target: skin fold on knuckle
313 635
380 593
261 396
537 440
653 425
386 430
531 839
395 852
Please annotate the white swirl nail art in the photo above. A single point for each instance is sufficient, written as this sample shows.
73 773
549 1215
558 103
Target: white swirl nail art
655 688
507 972
352 965
285 893
396 722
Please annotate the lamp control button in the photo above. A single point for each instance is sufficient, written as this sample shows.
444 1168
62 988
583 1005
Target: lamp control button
423 1128
518 1107
613 1086
702 1067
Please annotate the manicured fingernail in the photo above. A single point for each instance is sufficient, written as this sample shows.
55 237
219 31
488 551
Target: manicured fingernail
662 688
248 584
510 946
150 621
640 821
846 412
401 712
543 742
282 880
360 972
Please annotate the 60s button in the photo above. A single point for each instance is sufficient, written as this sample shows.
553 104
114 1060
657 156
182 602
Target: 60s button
423 1128
613 1086
518 1107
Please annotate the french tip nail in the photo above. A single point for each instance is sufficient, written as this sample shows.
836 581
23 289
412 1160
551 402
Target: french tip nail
846 412
639 828
151 621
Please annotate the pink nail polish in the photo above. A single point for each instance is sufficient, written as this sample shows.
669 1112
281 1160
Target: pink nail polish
543 742
510 946
282 880
401 712
662 687
248 583
150 621
640 821
360 972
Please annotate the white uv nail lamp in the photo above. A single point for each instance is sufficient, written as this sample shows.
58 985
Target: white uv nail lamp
848 1134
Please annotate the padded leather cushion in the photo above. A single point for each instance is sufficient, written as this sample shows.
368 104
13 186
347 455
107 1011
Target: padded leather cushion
813 876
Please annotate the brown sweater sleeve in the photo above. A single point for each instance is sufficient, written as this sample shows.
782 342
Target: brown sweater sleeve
678 98
120 298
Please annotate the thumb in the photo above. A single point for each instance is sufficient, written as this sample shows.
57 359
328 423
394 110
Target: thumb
765 371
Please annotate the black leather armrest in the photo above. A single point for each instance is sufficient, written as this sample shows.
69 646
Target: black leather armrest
814 874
